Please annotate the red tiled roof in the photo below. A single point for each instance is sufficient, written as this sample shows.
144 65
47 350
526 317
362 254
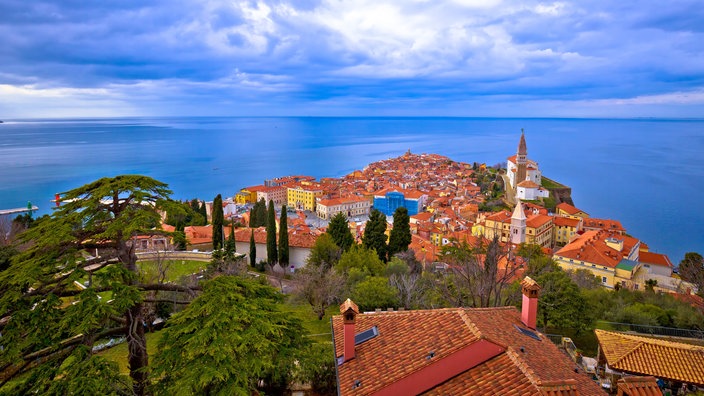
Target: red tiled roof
604 224
649 356
565 222
639 386
655 259
538 220
507 361
528 184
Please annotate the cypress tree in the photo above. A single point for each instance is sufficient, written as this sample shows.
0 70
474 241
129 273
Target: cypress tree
251 217
283 238
204 212
339 230
230 245
252 250
375 234
218 220
261 214
401 233
271 254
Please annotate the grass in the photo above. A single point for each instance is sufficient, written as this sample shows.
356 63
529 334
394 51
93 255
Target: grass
118 353
310 319
176 268
549 183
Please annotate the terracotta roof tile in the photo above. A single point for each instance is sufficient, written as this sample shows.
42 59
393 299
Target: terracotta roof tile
639 386
405 339
649 356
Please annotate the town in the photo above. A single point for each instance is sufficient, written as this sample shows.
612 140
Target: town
481 261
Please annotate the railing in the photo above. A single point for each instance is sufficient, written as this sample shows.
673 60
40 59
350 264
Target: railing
655 330
175 255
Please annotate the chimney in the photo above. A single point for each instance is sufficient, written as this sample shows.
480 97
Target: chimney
349 311
529 310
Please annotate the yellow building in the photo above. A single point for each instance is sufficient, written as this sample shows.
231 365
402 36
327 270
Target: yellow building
538 228
611 260
248 195
566 228
303 197
567 210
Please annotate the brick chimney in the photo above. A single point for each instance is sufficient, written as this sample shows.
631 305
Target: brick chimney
529 310
349 311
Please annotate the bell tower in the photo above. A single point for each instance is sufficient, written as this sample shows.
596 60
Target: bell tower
518 225
521 159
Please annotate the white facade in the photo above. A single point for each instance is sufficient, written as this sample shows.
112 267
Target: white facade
532 172
530 191
327 208
518 225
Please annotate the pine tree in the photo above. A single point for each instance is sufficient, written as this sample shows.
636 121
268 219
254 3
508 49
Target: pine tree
401 233
339 230
272 256
283 238
218 220
375 234
252 250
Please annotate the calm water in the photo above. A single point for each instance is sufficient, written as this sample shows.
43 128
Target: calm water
647 173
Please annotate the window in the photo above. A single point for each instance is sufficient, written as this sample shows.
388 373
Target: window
603 279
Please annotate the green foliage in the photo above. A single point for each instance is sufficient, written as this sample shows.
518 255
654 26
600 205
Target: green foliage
340 232
183 214
324 253
283 238
375 234
374 292
231 244
272 255
396 267
259 214
561 304
227 340
400 236
317 367
218 220
361 259
179 240
203 212
252 250
6 254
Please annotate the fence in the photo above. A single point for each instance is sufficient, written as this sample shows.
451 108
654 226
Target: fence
655 330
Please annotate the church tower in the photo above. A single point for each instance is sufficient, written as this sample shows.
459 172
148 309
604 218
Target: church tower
521 159
518 225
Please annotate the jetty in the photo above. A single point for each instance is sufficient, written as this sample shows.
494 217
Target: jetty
32 208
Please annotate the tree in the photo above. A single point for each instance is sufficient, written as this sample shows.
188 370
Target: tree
324 252
375 234
232 240
691 269
361 260
477 274
65 320
320 286
272 256
561 304
252 250
204 212
400 236
261 215
283 238
374 292
227 340
218 219
339 230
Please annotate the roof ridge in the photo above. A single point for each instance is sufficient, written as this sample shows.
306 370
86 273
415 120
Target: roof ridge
470 325
523 366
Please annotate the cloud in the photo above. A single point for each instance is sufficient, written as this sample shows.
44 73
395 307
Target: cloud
202 56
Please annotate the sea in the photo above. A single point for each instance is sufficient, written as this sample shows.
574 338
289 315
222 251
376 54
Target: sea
646 173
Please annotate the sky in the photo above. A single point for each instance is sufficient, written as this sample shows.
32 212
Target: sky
475 58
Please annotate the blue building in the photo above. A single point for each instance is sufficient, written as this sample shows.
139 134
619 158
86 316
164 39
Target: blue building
388 201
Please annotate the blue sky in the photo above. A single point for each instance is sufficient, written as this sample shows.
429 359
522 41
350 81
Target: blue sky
596 58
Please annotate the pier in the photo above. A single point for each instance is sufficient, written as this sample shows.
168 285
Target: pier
33 208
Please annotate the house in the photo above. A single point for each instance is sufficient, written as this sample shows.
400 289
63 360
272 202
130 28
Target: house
566 228
566 210
519 168
453 351
350 207
629 354
613 258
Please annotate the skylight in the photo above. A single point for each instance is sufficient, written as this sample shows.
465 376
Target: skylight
366 335
527 332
